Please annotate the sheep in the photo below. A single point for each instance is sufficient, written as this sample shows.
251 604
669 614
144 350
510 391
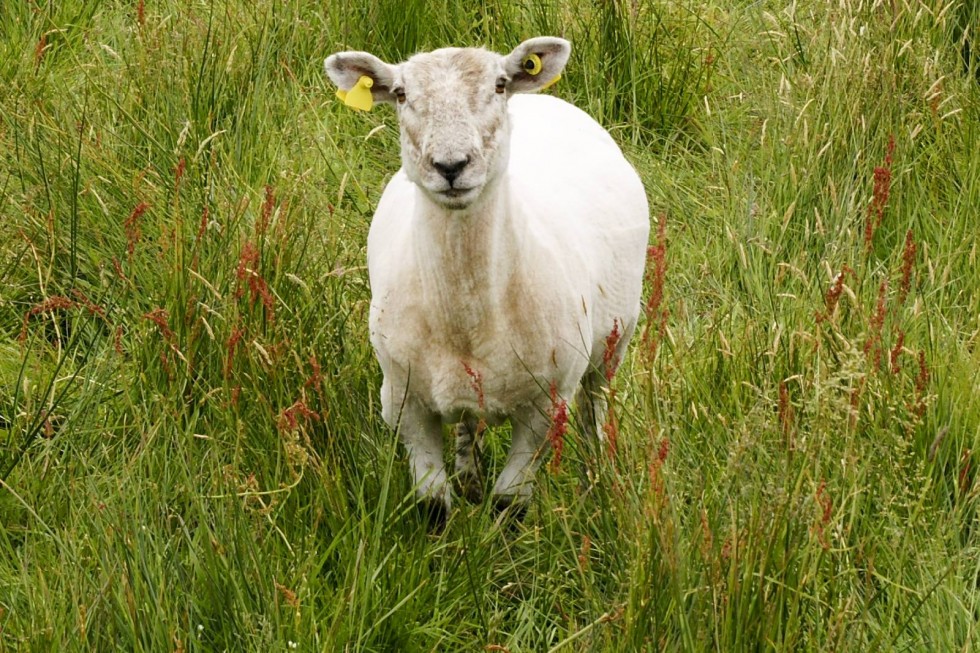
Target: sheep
504 255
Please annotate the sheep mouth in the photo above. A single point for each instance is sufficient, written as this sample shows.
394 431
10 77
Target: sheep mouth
455 192
456 198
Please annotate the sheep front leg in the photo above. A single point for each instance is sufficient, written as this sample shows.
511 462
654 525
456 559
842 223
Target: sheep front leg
527 449
469 479
421 433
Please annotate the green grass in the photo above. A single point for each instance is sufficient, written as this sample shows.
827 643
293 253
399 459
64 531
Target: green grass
191 451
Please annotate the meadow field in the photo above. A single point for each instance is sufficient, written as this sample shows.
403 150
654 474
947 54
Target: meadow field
192 456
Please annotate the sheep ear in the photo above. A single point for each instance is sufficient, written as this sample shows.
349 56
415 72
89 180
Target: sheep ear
347 70
536 63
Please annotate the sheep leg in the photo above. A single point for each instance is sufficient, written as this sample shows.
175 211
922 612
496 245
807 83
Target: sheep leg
421 433
469 477
528 445
590 400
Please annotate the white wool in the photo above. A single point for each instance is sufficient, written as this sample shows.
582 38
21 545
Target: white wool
496 308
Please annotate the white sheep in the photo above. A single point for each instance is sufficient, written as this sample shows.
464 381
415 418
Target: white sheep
502 255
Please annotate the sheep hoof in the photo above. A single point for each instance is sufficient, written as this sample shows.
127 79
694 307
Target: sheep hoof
470 488
434 513
509 508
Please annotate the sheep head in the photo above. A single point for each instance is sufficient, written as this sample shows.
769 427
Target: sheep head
452 108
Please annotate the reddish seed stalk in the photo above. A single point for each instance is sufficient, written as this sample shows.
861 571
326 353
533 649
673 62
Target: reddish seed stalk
39 50
966 467
825 503
583 556
896 351
872 346
247 275
161 318
117 340
708 540
232 345
117 266
880 194
179 173
316 378
609 359
656 275
132 228
90 306
205 218
785 412
267 207
290 417
656 476
56 303
248 257
611 427
832 298
559 426
610 362
921 385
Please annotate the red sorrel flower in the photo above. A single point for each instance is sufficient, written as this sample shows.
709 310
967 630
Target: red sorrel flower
825 503
289 418
559 426
247 274
161 318
232 345
132 227
965 468
316 378
880 194
179 173
896 352
786 413
609 360
872 346
267 206
56 303
921 385
832 298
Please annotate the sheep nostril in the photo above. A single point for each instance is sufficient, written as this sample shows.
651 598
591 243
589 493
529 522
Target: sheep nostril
451 169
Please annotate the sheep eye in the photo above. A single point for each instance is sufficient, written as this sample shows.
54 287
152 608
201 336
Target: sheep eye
501 85
399 95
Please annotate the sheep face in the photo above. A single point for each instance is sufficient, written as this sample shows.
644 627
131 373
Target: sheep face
452 109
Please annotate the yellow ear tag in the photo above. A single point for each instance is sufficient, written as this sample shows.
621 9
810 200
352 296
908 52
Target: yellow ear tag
552 82
359 97
531 64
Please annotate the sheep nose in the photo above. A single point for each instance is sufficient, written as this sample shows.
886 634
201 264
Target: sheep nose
450 169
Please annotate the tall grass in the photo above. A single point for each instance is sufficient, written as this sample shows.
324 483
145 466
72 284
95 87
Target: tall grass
191 451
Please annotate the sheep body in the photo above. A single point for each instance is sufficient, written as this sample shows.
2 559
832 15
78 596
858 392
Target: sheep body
504 257
519 309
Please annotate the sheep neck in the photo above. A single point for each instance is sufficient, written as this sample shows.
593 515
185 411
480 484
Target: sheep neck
468 260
